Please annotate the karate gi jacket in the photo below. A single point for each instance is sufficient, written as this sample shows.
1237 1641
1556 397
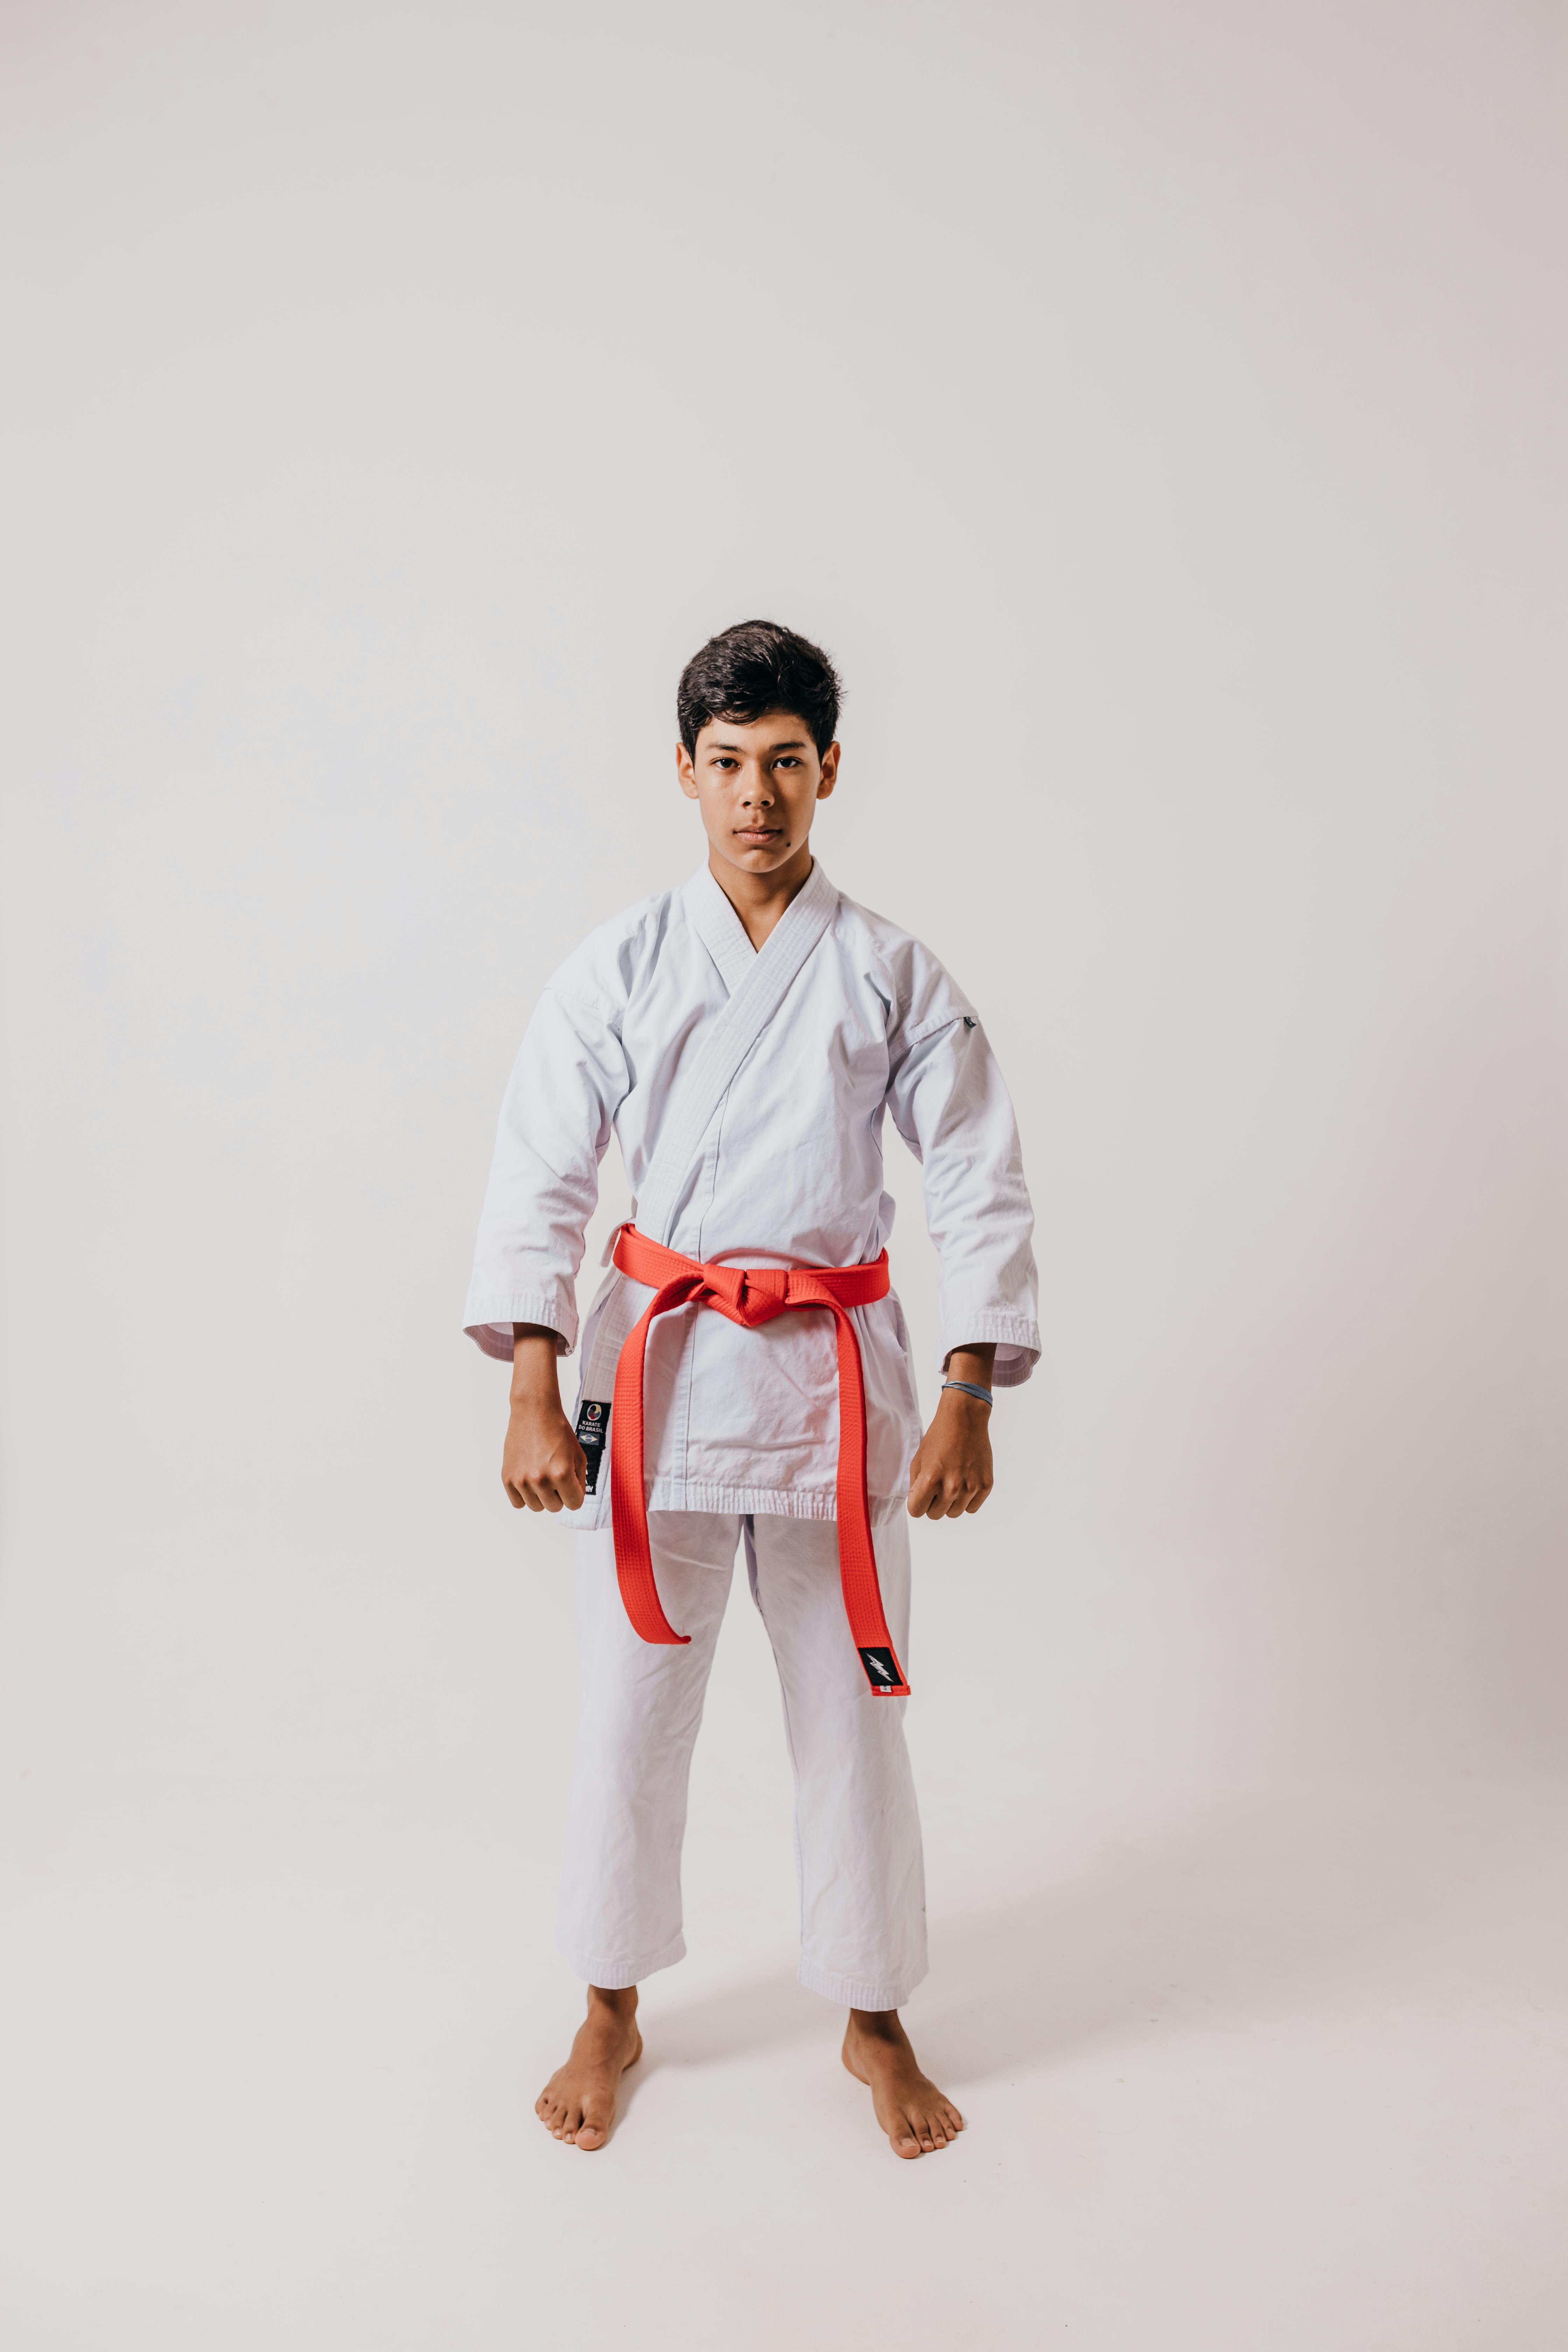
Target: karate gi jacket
786 1170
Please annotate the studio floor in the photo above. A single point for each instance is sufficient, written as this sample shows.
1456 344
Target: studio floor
1280 2066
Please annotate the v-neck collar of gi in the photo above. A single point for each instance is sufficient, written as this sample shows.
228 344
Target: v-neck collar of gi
723 934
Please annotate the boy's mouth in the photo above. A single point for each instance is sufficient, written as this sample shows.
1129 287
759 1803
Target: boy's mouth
757 836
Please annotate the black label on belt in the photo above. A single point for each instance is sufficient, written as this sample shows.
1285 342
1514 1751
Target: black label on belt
592 1428
881 1670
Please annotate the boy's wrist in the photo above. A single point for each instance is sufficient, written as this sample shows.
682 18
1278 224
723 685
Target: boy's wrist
976 1364
529 1400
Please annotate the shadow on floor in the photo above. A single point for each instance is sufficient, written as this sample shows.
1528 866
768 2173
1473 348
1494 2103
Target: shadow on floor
1239 1909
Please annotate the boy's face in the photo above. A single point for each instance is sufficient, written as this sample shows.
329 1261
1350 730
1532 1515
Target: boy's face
757 785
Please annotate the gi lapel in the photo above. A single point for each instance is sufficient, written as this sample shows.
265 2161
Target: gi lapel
720 928
753 1004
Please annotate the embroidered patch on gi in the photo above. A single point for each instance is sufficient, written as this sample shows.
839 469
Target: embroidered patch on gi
881 1670
592 1428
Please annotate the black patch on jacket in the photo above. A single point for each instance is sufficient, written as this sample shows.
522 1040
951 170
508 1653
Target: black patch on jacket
592 1429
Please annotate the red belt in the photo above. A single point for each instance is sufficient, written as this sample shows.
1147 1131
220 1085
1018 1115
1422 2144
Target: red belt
751 1296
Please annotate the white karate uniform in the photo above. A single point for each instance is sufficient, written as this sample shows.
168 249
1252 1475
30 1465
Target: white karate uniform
748 1090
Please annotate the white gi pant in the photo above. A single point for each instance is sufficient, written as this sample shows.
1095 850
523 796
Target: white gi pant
857 1835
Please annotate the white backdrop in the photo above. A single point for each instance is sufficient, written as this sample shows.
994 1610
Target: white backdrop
1158 412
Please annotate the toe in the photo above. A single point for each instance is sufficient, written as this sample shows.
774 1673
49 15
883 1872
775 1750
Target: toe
592 2135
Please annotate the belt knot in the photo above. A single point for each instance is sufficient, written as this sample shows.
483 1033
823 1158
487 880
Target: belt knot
747 1295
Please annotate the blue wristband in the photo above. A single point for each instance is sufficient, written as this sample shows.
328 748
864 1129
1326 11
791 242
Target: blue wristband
971 1388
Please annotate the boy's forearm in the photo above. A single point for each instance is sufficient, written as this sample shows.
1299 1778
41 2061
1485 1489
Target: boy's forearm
976 1363
533 1351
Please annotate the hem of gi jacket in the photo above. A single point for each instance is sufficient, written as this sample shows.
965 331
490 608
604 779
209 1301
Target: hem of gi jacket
489 1316
617 1975
737 1502
857 1992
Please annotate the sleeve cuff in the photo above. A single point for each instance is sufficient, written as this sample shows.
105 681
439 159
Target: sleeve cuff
1015 1336
488 1320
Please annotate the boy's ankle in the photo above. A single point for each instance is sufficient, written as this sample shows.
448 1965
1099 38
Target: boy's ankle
622 2001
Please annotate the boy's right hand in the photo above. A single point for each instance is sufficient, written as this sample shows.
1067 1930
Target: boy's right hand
541 1465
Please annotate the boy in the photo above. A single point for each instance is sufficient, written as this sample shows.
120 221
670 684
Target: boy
746 1372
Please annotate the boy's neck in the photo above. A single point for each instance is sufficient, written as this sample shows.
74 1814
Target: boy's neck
760 899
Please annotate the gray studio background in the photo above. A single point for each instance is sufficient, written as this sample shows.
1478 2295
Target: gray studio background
1158 412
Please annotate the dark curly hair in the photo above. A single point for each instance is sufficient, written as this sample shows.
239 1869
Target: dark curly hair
753 668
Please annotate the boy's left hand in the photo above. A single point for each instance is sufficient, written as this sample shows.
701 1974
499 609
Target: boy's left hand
951 1473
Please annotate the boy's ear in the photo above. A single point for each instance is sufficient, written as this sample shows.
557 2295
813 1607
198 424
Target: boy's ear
829 771
686 772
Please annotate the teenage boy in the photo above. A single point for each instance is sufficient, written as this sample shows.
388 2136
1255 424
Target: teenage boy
746 1373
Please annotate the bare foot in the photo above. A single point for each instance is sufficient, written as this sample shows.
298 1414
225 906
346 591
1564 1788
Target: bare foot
578 2102
913 2113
